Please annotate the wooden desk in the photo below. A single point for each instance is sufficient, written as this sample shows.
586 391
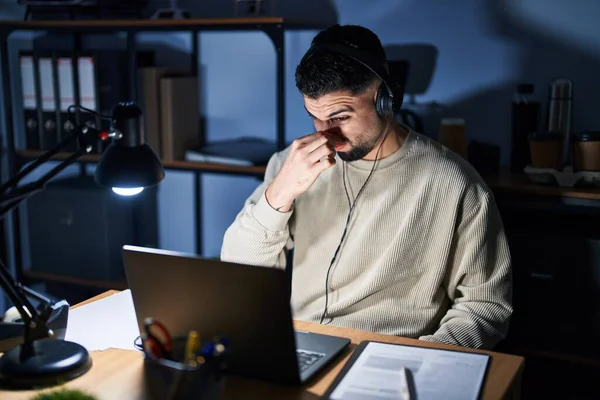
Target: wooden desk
117 374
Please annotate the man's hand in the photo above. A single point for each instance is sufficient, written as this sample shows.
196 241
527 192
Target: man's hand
308 157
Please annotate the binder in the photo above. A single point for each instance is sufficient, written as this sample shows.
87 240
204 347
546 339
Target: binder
51 84
102 84
56 93
64 67
47 91
28 97
68 78
88 95
48 138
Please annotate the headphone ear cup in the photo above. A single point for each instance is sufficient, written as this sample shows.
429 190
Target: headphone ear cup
380 101
384 103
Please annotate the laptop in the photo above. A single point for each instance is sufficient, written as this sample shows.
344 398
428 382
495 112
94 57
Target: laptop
249 305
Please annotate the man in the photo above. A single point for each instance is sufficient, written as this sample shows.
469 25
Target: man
391 232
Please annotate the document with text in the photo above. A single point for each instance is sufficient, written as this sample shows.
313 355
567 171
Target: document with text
434 374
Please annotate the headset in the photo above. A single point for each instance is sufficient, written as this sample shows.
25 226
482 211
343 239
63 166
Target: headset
388 102
389 95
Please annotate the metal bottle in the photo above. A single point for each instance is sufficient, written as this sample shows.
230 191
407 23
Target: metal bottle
559 113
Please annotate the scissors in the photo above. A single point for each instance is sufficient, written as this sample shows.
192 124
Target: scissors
156 346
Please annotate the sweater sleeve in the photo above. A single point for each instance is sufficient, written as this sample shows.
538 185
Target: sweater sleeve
479 282
259 234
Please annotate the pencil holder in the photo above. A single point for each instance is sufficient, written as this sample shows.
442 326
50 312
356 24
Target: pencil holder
173 379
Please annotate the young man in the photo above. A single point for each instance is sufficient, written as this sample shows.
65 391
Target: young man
391 232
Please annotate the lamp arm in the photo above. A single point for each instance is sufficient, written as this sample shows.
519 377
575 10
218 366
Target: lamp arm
13 198
14 292
34 319
38 161
80 133
39 297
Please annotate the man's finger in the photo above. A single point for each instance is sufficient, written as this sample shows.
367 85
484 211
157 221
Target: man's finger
317 141
320 152
325 163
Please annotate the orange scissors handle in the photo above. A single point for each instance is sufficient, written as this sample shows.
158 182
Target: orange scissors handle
158 346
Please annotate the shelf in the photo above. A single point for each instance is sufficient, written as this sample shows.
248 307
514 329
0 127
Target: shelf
505 182
34 275
200 24
273 27
257 171
508 182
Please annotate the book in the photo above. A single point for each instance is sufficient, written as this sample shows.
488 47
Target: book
179 119
244 151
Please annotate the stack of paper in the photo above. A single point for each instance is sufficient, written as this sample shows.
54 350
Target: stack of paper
103 324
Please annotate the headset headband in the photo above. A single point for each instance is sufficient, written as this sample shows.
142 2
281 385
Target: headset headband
365 59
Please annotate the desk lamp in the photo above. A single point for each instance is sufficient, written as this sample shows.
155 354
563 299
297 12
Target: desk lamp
127 166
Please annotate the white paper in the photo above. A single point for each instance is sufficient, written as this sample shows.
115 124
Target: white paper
103 324
436 374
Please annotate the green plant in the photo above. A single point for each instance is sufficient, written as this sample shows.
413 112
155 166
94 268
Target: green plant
64 394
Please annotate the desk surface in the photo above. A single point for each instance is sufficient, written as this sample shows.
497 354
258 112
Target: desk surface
117 374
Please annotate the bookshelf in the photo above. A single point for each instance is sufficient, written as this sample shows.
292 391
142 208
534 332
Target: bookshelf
273 27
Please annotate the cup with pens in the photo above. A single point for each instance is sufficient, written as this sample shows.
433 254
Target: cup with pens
181 368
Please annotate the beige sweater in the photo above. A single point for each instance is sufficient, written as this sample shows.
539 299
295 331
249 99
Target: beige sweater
425 255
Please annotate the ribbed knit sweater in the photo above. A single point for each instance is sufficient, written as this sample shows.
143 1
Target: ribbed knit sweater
425 255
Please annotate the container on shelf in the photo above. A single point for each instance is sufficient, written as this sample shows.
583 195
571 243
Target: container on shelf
586 151
546 149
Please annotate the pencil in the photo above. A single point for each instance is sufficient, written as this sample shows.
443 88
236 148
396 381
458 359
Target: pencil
191 346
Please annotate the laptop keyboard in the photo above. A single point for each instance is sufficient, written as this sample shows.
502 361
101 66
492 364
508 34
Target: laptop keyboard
307 358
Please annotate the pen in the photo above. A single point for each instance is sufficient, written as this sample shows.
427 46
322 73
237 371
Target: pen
191 346
405 390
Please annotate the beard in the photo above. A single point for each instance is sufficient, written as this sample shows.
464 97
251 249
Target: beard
360 149
357 152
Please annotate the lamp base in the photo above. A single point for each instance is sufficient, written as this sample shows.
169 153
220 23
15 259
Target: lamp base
51 362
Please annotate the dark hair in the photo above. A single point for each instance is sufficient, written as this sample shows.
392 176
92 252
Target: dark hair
322 71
